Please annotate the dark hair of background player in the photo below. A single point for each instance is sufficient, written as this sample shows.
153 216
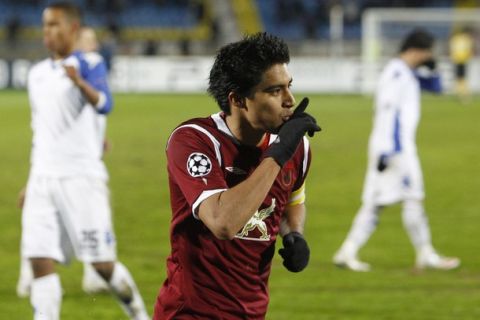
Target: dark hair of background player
417 39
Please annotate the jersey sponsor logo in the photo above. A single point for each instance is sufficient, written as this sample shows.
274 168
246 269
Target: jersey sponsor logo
286 175
198 165
257 222
287 178
235 170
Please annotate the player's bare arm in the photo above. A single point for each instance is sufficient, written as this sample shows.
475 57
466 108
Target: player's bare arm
293 219
227 212
21 198
89 92
295 251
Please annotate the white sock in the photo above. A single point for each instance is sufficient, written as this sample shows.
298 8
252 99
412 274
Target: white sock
415 222
46 297
363 226
124 288
89 271
92 282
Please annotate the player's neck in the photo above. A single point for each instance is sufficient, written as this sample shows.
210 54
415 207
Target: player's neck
243 131
409 59
58 55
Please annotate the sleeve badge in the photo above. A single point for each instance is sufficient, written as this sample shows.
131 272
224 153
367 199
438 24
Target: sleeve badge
198 165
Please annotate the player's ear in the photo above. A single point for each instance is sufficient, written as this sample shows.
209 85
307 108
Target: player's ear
236 100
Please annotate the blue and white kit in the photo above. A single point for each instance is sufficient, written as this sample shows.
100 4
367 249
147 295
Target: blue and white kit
67 209
397 114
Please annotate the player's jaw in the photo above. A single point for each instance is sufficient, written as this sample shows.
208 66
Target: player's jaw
272 114
273 121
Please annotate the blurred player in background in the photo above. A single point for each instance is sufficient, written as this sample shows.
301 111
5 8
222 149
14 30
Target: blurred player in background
237 179
394 174
92 282
67 210
87 40
461 51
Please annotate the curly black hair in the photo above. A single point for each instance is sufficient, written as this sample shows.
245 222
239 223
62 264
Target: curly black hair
239 66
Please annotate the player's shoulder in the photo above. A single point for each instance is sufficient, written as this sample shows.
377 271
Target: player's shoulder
396 71
201 129
40 66
39 71
196 124
92 59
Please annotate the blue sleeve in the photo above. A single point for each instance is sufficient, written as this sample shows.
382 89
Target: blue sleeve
97 78
432 83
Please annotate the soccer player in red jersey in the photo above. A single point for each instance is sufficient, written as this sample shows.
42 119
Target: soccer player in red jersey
237 179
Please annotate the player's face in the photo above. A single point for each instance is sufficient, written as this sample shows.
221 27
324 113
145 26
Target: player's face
272 100
59 31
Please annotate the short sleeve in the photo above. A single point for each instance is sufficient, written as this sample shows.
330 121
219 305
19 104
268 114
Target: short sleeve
194 164
94 71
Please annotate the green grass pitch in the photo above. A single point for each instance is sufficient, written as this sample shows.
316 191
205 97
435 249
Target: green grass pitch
448 140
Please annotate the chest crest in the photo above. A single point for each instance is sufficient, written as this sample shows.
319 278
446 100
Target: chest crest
257 222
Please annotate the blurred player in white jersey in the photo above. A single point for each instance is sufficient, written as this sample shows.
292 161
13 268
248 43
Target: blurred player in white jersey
91 282
394 174
67 210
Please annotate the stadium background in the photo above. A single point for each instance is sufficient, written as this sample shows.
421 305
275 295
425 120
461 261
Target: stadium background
161 51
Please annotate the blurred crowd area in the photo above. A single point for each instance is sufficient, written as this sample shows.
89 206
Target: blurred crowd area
199 27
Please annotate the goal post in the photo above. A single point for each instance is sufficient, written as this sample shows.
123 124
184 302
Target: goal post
384 29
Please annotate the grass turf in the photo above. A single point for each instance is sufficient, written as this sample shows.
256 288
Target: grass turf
448 142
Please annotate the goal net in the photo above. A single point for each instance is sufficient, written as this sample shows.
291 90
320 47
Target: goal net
384 29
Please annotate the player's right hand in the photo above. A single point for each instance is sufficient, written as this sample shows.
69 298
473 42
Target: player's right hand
430 64
382 163
291 134
73 74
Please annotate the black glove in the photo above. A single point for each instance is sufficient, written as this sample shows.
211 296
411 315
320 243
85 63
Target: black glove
430 64
382 163
295 252
291 133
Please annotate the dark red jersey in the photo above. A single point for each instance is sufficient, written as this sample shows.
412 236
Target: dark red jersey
208 278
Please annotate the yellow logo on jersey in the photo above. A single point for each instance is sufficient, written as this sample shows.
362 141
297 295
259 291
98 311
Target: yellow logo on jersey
256 222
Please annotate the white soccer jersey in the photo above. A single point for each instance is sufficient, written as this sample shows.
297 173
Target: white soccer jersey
68 133
397 114
397 110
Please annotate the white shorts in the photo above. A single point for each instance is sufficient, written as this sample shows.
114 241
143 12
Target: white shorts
68 216
401 180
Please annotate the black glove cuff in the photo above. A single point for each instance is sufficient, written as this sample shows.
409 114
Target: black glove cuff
289 238
278 154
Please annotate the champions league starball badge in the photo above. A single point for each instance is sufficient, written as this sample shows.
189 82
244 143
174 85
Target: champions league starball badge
198 165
